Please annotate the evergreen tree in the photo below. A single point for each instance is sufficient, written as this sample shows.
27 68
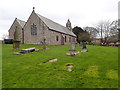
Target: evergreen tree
81 34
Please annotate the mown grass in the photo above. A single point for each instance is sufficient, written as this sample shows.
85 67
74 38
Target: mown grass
97 68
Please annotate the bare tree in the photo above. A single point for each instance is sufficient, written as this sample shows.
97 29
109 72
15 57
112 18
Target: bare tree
106 29
114 28
99 27
92 31
81 34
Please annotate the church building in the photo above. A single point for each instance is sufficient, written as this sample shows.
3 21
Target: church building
38 29
20 24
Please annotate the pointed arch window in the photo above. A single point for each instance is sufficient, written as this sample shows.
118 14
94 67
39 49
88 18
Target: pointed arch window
33 29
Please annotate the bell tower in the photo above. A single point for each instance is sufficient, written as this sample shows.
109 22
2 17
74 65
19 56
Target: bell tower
68 25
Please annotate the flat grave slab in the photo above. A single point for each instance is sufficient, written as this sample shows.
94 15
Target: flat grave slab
28 50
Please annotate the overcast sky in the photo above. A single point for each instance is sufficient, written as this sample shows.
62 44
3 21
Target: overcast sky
80 12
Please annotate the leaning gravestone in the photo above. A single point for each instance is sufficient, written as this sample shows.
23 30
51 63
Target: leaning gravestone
72 47
16 42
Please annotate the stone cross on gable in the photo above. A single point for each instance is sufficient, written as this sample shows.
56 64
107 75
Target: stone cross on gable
33 9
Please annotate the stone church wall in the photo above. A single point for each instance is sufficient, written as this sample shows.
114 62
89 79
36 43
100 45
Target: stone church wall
12 30
52 37
34 39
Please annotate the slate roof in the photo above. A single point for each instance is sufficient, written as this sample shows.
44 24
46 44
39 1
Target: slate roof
55 26
22 23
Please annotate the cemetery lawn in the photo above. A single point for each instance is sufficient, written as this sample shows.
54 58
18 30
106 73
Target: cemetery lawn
97 68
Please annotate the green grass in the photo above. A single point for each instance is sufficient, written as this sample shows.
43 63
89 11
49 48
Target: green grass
97 68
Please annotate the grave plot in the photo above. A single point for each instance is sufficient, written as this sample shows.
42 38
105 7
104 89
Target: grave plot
84 50
25 51
73 53
69 67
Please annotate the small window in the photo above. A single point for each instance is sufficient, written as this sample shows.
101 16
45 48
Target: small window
57 38
65 39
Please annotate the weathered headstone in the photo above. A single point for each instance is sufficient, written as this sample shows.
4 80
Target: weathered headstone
72 47
16 42
44 44
84 45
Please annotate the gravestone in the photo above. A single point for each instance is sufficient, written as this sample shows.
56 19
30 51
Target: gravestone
72 47
84 45
16 42
44 44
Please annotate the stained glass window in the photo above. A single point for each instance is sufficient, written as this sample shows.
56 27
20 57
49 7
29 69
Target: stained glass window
33 29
